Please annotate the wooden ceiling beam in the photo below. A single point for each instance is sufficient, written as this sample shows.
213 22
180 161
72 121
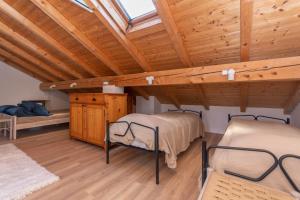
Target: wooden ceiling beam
26 56
63 22
246 15
244 92
166 16
202 95
293 100
24 66
279 69
115 30
10 11
5 30
174 100
141 92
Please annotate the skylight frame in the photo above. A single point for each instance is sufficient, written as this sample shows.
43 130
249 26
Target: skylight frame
136 20
82 5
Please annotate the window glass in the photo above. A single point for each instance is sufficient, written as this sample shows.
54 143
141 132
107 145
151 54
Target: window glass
136 8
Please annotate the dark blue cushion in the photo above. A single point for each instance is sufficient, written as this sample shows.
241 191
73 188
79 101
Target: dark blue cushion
11 111
28 105
23 112
40 110
3 108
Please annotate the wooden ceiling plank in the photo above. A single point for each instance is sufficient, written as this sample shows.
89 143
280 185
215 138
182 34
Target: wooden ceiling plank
10 11
244 93
4 29
115 30
293 100
165 14
246 16
55 15
63 22
29 58
279 69
24 66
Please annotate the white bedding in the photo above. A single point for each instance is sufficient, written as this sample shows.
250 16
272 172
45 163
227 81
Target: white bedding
176 132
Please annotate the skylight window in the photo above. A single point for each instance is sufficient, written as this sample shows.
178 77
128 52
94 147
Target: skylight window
136 8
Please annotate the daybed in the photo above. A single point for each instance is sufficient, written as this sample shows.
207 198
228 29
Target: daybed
56 117
262 152
170 132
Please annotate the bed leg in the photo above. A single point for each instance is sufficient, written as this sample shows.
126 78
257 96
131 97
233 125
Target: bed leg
14 134
107 143
156 139
204 162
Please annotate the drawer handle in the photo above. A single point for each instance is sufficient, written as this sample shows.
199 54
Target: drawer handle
76 99
94 99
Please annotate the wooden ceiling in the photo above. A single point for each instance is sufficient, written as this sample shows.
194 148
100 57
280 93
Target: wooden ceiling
56 40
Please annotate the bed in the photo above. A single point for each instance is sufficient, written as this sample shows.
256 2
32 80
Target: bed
264 152
55 117
170 132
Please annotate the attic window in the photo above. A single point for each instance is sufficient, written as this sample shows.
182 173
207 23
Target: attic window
135 11
82 4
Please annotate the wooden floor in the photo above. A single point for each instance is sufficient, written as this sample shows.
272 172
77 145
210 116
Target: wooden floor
84 174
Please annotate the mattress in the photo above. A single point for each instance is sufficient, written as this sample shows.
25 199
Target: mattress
176 132
277 138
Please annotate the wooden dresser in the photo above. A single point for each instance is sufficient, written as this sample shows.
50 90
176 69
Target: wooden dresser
89 113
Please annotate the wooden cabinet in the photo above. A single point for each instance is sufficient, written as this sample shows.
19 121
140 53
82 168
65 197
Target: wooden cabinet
89 113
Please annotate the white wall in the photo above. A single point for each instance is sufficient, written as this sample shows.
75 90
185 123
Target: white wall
296 116
16 86
215 119
150 106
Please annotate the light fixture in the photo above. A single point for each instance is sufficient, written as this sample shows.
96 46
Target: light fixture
150 79
73 85
230 73
52 86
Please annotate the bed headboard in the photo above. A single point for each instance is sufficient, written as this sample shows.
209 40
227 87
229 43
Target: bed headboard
257 117
187 110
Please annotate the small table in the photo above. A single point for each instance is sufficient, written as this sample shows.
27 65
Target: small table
8 124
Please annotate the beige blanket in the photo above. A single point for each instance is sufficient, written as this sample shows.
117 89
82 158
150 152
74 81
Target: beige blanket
277 138
176 131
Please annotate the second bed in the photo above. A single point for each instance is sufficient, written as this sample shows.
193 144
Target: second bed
170 132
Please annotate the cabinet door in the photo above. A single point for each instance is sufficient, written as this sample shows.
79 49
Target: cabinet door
76 120
95 124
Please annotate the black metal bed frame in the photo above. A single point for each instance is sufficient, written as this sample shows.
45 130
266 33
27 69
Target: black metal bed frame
205 163
257 117
129 130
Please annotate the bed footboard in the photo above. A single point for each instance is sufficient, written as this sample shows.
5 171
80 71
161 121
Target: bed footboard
205 161
277 161
129 131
